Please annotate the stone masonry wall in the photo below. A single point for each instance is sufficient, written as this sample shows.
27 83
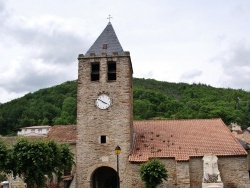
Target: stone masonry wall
183 177
196 172
172 173
233 172
115 122
171 168
136 180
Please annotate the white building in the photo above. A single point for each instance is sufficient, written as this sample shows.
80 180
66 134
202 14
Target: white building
34 131
236 127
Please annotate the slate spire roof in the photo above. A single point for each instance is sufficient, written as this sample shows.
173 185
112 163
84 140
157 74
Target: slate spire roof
107 42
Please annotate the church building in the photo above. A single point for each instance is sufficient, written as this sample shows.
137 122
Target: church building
105 121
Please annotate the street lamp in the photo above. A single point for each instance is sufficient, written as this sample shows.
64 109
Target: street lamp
117 152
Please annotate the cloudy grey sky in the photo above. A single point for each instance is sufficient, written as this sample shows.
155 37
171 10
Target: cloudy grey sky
191 41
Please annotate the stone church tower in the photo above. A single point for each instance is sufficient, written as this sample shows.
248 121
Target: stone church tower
104 113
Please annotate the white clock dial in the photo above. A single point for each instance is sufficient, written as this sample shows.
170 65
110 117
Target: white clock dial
103 101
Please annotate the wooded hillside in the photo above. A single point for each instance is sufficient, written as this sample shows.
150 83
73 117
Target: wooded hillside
152 100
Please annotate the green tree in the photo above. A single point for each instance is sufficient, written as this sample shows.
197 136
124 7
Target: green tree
3 156
3 176
68 113
152 173
32 160
2 126
49 112
152 100
69 105
143 109
66 160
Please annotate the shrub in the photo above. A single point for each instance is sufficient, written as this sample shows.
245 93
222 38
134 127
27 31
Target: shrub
152 173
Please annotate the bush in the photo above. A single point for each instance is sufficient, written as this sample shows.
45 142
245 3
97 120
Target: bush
152 173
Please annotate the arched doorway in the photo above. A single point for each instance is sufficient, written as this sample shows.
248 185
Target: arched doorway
104 177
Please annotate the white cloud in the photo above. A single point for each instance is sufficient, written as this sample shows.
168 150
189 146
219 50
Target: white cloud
175 41
236 66
45 53
191 75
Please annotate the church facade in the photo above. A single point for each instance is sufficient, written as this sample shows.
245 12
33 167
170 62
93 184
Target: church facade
105 120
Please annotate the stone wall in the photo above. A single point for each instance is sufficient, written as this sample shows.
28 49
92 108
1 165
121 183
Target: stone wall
172 173
183 176
115 122
171 168
136 180
196 172
233 172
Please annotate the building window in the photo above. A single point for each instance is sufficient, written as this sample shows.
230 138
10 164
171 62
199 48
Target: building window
103 139
105 46
95 71
111 70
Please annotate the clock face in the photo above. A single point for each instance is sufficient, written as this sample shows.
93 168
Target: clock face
103 101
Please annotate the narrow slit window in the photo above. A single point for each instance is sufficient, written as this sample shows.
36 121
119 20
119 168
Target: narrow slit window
103 139
111 70
95 71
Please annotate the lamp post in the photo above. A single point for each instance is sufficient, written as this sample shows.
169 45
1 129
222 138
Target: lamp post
117 152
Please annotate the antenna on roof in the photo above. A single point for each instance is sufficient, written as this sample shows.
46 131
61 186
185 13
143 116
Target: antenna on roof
109 18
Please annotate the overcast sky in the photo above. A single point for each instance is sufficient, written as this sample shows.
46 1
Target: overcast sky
191 41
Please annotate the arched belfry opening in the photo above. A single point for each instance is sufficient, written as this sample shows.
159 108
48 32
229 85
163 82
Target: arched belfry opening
104 177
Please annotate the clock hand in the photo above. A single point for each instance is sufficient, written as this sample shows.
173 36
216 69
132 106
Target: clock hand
102 101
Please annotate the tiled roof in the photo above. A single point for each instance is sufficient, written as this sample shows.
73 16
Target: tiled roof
182 139
107 42
63 133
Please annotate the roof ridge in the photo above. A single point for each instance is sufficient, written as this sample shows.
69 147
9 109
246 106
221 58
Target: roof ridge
206 119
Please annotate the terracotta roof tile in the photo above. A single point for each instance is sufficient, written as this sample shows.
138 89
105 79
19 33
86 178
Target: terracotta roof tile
182 139
63 133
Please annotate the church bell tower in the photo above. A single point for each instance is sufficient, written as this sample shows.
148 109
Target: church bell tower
104 113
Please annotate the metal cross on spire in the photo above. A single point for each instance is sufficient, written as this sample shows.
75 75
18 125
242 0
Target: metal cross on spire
109 18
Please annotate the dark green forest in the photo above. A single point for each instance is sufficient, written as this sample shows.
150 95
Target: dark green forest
152 100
